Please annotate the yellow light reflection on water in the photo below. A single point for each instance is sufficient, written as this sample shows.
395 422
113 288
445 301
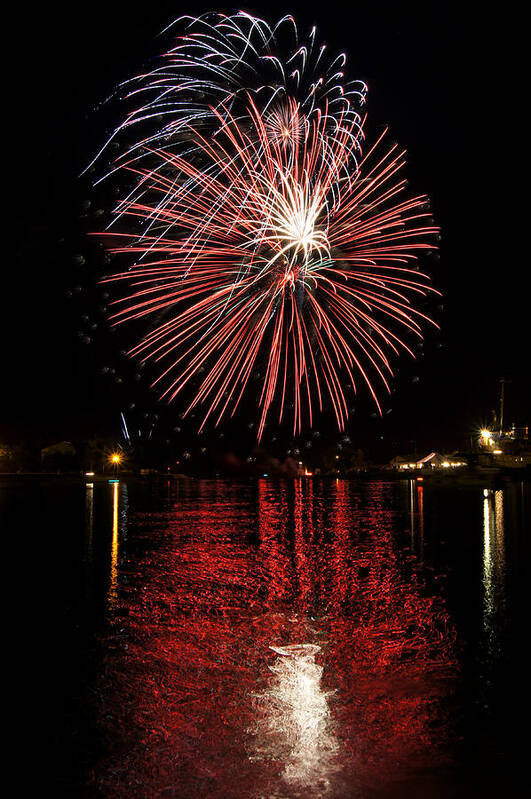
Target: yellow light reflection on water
89 518
113 586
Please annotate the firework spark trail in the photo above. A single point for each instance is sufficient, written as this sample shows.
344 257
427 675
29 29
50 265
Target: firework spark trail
218 59
264 238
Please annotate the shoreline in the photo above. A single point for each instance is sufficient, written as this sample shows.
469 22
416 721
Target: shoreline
475 476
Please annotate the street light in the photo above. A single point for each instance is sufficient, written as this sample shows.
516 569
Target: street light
486 437
115 459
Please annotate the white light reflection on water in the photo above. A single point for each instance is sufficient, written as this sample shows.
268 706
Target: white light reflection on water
493 559
296 727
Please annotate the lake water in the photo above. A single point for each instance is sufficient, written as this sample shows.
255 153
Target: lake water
279 639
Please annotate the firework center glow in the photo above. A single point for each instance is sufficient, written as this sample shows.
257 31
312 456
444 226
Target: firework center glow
294 225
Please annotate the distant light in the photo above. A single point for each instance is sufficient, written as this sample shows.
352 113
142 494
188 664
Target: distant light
445 464
497 452
89 474
266 475
486 435
113 481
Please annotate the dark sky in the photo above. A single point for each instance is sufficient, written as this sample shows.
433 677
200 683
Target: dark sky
439 74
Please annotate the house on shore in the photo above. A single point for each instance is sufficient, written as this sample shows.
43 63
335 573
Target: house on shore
434 460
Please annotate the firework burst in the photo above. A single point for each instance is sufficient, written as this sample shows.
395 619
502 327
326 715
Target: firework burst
264 242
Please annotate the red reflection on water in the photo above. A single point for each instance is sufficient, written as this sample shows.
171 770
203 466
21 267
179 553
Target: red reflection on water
195 702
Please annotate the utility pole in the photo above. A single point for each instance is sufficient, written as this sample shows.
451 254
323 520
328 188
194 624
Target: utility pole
502 382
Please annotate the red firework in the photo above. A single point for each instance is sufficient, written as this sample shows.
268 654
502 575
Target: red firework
269 250
275 252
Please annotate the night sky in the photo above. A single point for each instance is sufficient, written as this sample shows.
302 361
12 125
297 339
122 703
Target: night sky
435 75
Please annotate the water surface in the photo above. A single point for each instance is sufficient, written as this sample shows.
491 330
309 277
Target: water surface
280 638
